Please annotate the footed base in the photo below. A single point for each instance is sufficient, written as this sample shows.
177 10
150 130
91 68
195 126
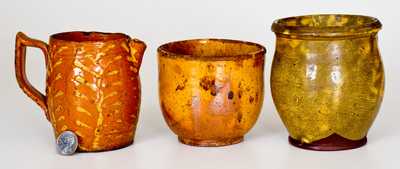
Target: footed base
331 143
210 143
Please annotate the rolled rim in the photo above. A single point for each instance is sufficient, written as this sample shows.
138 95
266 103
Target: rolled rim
327 25
177 49
82 37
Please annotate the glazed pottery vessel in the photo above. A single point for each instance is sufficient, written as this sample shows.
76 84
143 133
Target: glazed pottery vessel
327 79
93 86
211 90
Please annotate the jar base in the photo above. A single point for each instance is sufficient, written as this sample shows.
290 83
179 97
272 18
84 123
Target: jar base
332 143
210 143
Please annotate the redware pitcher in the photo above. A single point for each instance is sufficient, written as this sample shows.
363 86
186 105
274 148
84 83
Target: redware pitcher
92 85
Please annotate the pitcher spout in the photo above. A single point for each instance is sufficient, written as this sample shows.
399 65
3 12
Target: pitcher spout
137 48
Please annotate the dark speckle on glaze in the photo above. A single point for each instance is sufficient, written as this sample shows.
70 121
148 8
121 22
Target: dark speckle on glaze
230 95
251 99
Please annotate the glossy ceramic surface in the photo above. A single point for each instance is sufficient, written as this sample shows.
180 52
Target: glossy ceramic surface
211 90
327 78
93 86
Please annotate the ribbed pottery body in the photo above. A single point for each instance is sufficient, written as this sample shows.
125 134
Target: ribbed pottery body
93 88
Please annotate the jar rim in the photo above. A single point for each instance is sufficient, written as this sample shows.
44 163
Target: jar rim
327 25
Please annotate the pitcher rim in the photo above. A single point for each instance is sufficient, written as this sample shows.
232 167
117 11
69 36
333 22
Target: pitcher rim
89 37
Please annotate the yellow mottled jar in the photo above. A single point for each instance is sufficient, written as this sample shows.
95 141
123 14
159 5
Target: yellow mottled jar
327 79
211 90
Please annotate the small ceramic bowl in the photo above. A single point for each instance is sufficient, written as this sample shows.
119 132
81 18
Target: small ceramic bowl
211 90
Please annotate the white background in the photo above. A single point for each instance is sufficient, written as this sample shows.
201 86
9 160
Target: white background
26 138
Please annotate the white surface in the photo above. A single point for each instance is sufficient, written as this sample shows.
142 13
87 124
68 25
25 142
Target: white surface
27 141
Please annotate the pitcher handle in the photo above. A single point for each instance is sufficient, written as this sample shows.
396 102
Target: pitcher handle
137 48
22 41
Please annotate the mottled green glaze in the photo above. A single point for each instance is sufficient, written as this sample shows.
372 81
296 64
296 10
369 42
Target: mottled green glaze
327 76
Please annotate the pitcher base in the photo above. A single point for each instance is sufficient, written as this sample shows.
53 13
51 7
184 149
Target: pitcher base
84 150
